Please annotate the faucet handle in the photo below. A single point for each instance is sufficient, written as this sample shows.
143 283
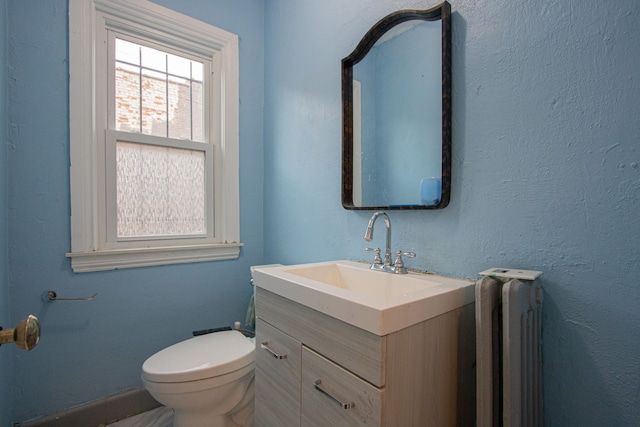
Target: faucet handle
398 266
376 260
407 254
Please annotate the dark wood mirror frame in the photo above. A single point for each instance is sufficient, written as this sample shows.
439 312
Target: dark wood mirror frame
441 12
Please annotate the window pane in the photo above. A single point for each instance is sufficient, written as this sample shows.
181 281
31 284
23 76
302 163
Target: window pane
160 191
196 71
154 103
179 66
153 59
127 97
162 97
179 108
197 112
127 52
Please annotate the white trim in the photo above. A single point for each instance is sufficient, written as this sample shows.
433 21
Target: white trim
128 258
82 127
87 23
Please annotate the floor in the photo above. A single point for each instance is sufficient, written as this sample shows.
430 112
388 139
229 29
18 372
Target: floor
159 417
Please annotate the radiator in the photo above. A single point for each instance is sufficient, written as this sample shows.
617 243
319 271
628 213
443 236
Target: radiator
509 353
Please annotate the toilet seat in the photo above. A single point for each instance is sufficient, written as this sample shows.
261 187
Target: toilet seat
205 356
195 386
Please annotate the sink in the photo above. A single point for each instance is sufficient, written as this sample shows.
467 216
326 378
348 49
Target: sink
365 281
375 301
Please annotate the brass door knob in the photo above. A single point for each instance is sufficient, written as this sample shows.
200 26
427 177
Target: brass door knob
26 335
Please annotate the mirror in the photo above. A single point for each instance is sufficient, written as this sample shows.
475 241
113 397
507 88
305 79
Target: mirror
396 113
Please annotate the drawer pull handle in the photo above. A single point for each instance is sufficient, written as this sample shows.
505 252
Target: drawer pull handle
335 399
265 347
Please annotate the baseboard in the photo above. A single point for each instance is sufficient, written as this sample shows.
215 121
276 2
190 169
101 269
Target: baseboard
100 412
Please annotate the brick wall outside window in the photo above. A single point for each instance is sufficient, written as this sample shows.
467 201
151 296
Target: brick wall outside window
154 106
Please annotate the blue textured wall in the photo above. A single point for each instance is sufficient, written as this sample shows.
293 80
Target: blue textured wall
93 349
546 133
6 370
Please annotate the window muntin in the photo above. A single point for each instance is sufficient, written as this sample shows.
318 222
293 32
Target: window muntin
157 92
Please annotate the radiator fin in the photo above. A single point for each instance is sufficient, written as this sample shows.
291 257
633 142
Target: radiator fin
509 356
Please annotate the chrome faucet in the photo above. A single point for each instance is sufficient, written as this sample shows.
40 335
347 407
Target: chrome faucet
378 264
368 236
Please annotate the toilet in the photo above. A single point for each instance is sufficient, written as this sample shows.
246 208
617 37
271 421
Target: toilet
207 380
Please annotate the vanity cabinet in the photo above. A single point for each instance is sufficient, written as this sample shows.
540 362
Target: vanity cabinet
320 371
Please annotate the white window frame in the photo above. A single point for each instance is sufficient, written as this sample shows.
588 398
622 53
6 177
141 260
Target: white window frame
91 247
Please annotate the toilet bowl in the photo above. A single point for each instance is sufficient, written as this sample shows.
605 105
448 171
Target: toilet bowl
207 380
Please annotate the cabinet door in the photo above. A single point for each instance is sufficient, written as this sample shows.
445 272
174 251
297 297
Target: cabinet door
332 396
277 383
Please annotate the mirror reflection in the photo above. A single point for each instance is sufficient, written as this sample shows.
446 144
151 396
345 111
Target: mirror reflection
396 114
398 101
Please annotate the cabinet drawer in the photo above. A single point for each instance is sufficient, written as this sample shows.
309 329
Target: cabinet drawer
359 351
277 377
332 396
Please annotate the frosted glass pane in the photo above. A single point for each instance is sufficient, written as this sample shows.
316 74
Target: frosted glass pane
160 191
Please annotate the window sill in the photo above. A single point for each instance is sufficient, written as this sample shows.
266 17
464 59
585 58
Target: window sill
83 262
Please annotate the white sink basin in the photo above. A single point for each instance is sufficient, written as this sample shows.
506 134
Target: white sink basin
376 301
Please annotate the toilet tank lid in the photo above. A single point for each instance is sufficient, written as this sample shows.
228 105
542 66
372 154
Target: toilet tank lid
201 357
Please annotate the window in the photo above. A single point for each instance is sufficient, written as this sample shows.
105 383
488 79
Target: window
154 137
